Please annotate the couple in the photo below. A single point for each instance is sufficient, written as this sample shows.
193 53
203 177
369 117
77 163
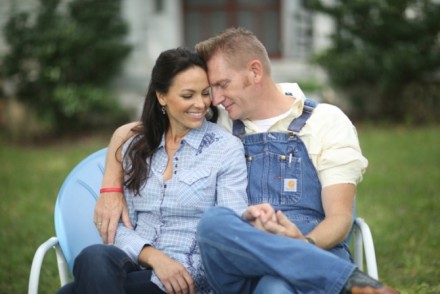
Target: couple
185 225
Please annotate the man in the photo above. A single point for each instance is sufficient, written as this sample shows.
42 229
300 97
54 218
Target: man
304 162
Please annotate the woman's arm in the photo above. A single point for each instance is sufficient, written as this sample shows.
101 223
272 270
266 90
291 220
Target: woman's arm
232 177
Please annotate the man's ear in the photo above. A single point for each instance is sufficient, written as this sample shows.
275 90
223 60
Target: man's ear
256 68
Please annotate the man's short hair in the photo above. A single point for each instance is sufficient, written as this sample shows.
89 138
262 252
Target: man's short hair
238 46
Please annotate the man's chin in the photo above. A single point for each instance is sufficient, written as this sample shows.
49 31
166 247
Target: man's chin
233 117
232 114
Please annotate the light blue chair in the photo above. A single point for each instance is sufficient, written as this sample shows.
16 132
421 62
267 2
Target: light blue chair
75 229
74 225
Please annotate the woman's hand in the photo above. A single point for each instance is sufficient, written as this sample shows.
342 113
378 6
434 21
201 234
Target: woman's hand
173 275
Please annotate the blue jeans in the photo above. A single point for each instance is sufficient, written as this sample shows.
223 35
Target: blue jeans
241 259
107 269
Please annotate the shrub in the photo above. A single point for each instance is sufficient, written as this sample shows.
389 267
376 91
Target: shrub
386 55
62 61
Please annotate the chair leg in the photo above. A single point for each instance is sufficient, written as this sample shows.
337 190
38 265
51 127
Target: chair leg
358 252
62 265
34 278
365 239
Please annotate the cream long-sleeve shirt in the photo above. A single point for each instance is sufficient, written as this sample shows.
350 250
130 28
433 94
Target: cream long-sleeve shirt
329 136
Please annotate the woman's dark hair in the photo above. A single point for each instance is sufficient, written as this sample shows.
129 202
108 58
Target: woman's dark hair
154 123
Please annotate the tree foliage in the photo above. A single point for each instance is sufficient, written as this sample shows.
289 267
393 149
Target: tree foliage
386 54
63 58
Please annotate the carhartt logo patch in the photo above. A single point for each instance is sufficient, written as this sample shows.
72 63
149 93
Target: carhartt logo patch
290 185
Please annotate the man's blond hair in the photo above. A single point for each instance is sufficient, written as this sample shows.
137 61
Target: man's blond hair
238 46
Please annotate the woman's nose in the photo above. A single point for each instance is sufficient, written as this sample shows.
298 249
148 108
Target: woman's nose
199 101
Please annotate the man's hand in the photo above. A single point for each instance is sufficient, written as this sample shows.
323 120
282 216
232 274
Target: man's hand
283 226
258 215
110 207
173 275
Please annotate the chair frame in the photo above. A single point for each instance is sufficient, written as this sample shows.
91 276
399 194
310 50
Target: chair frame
363 243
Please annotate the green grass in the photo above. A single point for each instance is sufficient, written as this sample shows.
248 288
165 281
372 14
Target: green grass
397 198
30 177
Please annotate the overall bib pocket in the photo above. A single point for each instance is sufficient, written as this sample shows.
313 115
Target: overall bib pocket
274 178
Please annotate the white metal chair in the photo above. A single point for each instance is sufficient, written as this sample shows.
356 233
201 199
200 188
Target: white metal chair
75 229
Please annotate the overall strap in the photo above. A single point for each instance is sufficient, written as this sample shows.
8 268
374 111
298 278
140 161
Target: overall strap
298 123
238 128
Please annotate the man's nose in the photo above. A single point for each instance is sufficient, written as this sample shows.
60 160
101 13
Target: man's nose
216 97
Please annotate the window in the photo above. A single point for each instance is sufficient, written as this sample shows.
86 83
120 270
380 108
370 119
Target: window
302 35
205 18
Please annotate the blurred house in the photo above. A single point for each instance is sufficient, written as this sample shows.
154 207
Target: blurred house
287 28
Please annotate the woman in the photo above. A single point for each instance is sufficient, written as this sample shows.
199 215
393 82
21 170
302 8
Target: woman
176 166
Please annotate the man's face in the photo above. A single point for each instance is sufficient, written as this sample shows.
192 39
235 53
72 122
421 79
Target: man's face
230 87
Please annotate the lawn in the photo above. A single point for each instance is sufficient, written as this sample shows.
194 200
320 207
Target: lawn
396 198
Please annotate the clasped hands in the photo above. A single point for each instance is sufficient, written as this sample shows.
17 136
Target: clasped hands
264 217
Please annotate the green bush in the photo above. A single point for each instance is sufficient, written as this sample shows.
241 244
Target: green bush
62 61
383 53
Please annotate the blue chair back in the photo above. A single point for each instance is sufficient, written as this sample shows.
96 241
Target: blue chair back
75 206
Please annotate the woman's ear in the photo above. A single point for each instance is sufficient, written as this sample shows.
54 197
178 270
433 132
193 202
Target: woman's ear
161 98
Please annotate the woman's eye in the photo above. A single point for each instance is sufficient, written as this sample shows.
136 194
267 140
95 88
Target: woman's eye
187 96
206 93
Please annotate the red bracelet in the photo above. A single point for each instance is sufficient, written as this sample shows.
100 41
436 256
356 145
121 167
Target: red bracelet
113 189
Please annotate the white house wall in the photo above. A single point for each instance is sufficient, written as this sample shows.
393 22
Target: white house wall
151 32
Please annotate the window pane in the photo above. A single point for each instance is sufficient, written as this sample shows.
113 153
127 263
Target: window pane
257 2
205 18
270 32
245 19
264 26
205 2
192 28
218 21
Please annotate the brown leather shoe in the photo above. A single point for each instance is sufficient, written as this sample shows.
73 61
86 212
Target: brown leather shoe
370 290
361 283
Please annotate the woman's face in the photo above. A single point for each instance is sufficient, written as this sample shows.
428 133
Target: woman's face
187 99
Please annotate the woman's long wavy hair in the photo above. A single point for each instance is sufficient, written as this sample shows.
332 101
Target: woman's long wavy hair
154 123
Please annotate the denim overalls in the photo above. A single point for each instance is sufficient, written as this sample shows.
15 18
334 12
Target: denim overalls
281 173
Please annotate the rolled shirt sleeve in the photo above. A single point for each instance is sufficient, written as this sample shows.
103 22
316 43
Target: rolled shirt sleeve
333 146
130 242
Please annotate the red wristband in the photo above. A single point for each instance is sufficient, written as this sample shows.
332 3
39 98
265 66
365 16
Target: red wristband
112 189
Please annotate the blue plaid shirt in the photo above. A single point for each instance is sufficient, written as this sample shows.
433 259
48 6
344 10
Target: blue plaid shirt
209 169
